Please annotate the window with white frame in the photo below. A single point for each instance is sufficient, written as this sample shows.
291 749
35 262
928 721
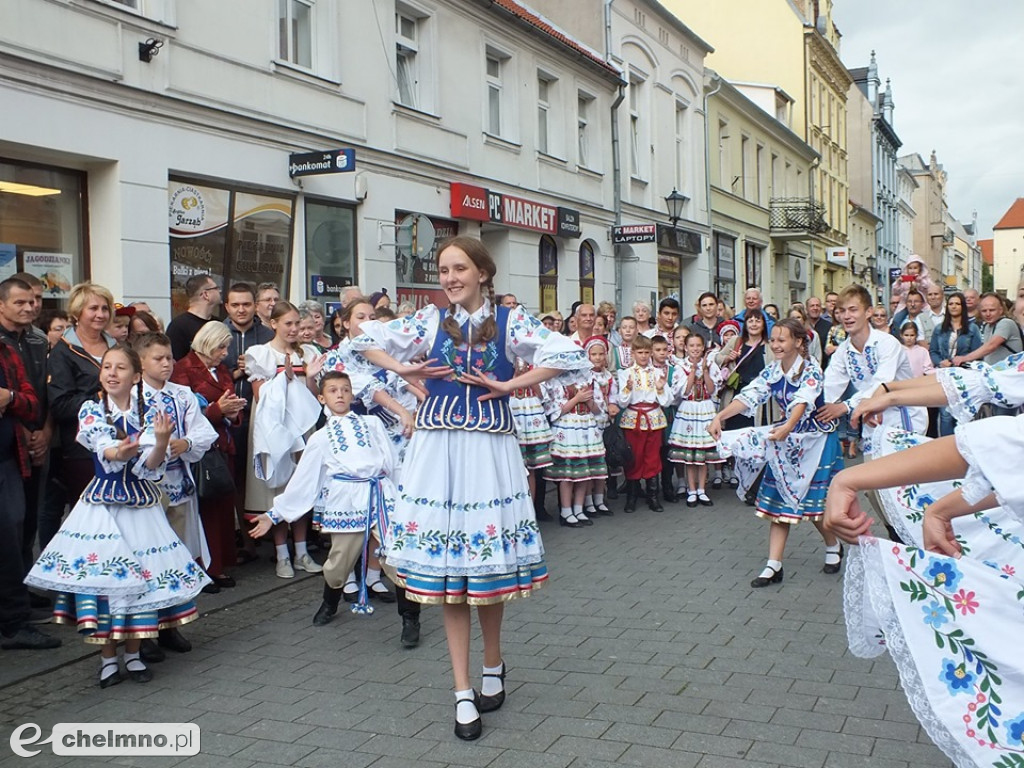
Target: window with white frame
295 32
497 103
745 182
759 175
584 106
545 91
635 127
680 145
724 156
407 48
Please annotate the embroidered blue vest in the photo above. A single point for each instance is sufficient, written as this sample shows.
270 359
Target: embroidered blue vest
452 405
783 392
122 487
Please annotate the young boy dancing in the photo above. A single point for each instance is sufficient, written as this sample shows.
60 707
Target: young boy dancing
346 470
643 392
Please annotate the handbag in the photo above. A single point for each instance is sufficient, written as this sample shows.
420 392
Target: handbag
212 476
616 448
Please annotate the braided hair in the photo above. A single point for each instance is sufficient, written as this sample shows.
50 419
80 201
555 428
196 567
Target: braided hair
104 398
482 260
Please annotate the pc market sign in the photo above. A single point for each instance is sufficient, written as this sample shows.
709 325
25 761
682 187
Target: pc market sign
317 163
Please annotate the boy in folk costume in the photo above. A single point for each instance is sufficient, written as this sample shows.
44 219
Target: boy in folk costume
643 391
346 469
621 356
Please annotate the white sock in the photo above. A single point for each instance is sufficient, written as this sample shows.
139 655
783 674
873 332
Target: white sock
133 658
566 512
577 509
465 710
598 499
588 501
300 550
700 491
282 552
771 568
372 575
492 686
351 587
108 669
832 555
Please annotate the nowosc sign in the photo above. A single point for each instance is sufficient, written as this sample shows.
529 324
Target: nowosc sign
327 161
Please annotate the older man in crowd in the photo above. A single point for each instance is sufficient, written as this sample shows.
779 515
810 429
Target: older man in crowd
586 316
971 301
752 299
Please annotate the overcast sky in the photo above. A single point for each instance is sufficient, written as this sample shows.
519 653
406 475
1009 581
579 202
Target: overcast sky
957 70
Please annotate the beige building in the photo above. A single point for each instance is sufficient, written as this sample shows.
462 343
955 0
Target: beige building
931 240
793 45
864 223
754 159
1008 249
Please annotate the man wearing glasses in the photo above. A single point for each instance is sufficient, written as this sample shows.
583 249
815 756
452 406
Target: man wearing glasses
203 299
267 296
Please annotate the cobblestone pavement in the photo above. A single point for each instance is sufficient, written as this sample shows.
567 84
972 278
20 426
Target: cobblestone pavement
648 648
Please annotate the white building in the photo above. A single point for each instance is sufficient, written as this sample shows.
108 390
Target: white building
150 140
905 214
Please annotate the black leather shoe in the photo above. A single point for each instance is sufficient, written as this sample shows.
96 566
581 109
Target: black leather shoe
111 680
570 521
224 582
350 597
716 484
653 500
611 492
211 588
143 675
601 509
328 607
542 515
761 581
173 640
28 638
491 703
150 652
381 592
410 630
469 731
834 567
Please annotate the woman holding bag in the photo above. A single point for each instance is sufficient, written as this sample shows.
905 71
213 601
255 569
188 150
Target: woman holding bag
203 371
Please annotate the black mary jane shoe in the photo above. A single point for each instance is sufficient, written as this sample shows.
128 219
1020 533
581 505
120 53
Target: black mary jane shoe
469 731
350 597
382 593
492 703
761 581
716 484
834 567
173 640
704 501
143 675
570 522
601 509
114 679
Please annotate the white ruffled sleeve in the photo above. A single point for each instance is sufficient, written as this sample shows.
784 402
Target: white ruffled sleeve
992 449
404 338
529 339
967 389
305 483
147 442
364 376
260 363
96 434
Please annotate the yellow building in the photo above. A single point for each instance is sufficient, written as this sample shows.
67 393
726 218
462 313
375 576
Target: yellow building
793 45
754 159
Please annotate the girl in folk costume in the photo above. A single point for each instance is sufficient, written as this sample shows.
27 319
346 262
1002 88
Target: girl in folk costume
463 532
605 384
643 392
577 448
532 429
120 572
622 354
284 411
802 454
690 444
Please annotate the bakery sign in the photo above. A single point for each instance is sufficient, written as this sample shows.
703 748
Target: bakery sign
479 204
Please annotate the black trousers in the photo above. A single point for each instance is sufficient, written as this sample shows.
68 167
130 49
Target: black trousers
14 605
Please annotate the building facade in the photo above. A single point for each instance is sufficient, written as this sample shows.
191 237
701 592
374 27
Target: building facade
932 239
1008 250
144 146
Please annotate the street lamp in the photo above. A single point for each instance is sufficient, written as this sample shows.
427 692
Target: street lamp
675 202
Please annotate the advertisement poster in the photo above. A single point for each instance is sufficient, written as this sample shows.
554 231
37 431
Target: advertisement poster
8 260
54 270
416 276
197 225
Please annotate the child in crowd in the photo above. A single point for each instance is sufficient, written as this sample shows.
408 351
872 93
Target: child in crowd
577 448
119 571
120 324
690 444
662 357
281 372
643 392
915 276
622 355
604 384
920 358
346 469
533 430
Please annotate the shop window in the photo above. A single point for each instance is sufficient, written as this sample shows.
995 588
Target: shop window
231 234
42 215
330 247
670 275
416 257
548 251
752 259
587 272
725 268
296 32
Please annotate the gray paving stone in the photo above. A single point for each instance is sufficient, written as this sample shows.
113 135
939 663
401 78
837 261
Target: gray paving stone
642 755
799 757
583 747
333 758
275 752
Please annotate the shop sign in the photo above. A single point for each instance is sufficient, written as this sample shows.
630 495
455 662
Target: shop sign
416 275
326 285
634 233
325 161
8 260
54 270
678 239
568 223
797 270
840 257
895 273
479 204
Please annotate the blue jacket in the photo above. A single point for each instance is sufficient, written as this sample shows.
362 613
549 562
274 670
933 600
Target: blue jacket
967 341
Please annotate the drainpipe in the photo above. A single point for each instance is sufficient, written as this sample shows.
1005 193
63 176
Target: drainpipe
616 164
715 78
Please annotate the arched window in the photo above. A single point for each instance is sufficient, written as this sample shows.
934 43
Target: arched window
548 252
587 272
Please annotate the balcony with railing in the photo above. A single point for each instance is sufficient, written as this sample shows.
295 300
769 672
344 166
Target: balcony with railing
795 217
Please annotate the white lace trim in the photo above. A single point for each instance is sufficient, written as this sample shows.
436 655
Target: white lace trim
962 410
863 644
893 514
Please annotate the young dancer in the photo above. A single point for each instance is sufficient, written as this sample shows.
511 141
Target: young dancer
345 469
643 392
622 354
802 453
690 446
533 432
120 572
463 532
605 384
285 409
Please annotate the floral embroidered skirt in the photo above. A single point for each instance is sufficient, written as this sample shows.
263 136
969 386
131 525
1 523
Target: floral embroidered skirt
463 528
532 430
952 626
121 573
689 441
577 451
